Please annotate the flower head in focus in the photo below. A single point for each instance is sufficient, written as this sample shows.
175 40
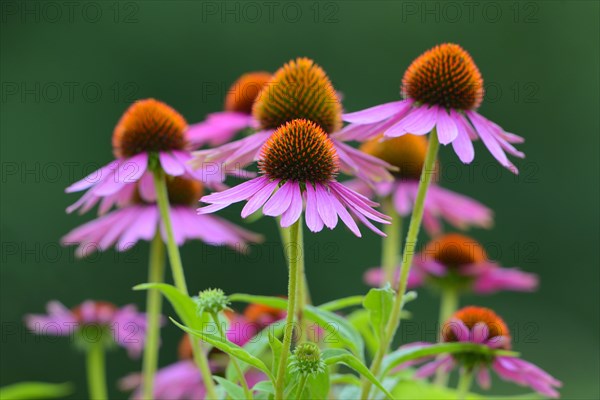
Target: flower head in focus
298 166
443 89
299 90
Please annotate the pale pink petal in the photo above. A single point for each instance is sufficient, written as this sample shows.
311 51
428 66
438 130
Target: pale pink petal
280 201
462 145
259 198
446 127
313 220
325 207
237 193
294 211
484 130
420 121
94 178
376 113
170 164
344 215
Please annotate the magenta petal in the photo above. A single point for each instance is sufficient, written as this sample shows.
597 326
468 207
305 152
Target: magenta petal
237 193
463 147
259 198
446 127
170 164
93 178
313 220
483 378
480 332
460 330
130 170
280 201
484 131
345 216
376 113
430 368
325 207
294 211
497 278
420 121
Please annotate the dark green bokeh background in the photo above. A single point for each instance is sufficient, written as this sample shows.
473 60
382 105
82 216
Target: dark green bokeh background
540 61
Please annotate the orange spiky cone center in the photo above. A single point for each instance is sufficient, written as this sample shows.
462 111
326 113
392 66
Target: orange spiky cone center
446 76
454 250
149 126
300 89
242 94
299 151
471 316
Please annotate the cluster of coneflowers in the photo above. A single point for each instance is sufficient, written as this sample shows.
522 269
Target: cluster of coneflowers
281 147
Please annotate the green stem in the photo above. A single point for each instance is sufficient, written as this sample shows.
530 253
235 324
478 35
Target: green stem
156 272
96 371
162 199
301 386
234 361
303 289
407 258
295 246
464 383
391 244
448 305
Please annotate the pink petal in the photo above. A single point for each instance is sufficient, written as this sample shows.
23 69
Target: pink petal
280 201
259 198
292 214
463 147
325 207
313 220
446 127
170 164
237 193
93 178
376 113
480 332
420 121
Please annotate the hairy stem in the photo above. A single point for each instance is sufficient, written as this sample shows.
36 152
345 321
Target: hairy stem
407 258
162 199
96 371
390 250
295 247
156 272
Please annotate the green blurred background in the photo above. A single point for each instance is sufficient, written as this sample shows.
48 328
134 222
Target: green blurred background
69 69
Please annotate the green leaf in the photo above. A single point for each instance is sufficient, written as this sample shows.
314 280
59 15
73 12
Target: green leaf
345 379
423 390
379 302
336 305
318 386
276 347
35 390
341 356
419 351
257 345
233 390
339 329
264 386
360 321
227 347
184 306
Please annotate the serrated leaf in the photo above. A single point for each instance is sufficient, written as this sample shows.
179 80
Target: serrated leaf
337 327
234 391
341 356
403 355
230 348
35 390
379 303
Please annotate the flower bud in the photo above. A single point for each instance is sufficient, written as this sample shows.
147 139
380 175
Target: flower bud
212 301
307 360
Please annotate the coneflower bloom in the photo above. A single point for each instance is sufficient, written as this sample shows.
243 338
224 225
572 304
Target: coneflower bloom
147 127
221 127
462 262
139 219
482 326
442 89
182 380
407 153
298 90
298 165
124 326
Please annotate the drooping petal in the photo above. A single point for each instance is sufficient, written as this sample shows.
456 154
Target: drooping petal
237 193
170 164
462 145
446 127
345 216
259 198
325 207
280 201
94 178
420 121
294 211
313 220
487 137
376 113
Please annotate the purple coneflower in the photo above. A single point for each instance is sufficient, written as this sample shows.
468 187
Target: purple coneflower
298 90
461 262
407 153
299 165
220 127
148 127
442 89
139 219
482 326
